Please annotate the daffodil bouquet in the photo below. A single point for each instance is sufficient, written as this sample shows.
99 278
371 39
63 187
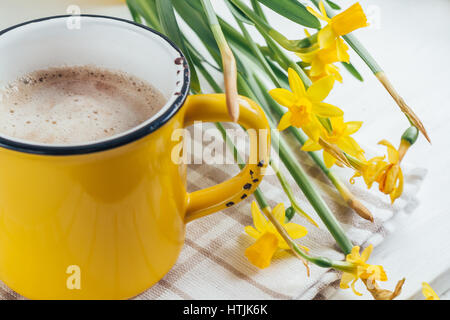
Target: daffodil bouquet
297 105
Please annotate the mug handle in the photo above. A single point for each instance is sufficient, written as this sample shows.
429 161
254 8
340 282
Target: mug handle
213 108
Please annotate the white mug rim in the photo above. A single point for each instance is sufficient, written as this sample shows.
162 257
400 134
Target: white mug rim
146 128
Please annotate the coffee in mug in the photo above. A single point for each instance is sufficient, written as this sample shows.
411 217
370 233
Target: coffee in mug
73 105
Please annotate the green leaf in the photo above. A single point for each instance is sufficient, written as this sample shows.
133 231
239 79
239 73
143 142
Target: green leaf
170 28
353 71
197 21
147 9
237 13
326 123
293 10
132 6
281 75
333 5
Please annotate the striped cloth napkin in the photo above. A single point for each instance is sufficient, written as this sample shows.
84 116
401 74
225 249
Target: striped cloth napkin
212 264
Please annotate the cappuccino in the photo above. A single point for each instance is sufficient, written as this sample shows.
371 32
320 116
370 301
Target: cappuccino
75 105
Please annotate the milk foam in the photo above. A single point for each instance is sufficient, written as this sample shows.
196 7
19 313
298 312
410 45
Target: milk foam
75 105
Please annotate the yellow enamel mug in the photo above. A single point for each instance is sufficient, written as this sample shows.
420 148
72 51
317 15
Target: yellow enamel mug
106 220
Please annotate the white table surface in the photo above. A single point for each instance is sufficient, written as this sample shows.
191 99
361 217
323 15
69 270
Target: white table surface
410 39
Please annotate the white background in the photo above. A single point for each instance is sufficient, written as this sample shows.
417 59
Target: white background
410 39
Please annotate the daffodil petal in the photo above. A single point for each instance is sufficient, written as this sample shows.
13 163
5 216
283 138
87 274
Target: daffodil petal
317 14
285 121
333 70
305 248
342 51
283 96
352 127
393 155
349 145
322 9
346 278
252 232
279 213
354 290
296 231
317 68
399 189
310 145
296 83
328 159
428 292
307 57
312 130
326 37
366 253
320 89
354 254
326 110
258 219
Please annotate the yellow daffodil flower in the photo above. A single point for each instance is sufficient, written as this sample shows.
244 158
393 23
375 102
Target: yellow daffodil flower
268 240
345 22
321 62
390 178
305 105
428 292
340 136
361 270
369 170
388 174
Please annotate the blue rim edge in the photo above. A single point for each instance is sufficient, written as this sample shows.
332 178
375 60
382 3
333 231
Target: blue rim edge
113 143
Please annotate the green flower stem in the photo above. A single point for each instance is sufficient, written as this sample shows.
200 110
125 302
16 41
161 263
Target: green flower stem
290 194
148 10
